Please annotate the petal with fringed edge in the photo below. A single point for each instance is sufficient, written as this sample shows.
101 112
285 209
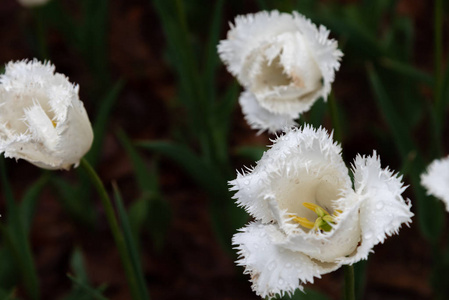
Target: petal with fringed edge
260 118
273 268
382 208
436 180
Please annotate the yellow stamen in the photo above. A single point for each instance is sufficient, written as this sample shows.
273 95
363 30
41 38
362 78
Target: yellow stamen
54 123
316 208
323 222
302 221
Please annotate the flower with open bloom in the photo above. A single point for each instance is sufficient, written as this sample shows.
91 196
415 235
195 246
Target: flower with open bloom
283 60
309 220
32 3
42 119
436 180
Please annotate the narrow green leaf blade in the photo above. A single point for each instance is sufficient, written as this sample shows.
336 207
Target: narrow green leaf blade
73 201
200 172
18 238
131 246
100 124
92 293
211 51
28 204
401 134
147 180
407 70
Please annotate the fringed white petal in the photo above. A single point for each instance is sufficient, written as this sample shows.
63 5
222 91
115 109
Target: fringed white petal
299 162
261 119
249 32
436 180
325 50
273 268
382 208
42 119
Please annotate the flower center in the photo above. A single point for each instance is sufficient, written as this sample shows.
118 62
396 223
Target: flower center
272 75
322 222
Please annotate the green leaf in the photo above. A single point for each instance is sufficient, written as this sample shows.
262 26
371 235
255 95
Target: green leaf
199 171
211 60
226 216
430 214
154 214
7 295
146 180
131 246
93 31
401 134
29 200
361 42
101 121
77 265
225 107
114 227
17 239
9 274
89 293
171 14
74 202
150 208
407 70
81 289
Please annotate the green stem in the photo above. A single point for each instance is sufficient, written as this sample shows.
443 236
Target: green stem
115 229
349 282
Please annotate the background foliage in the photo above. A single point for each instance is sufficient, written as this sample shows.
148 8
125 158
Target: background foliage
169 135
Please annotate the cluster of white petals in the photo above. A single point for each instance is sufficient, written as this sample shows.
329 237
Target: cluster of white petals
284 62
32 3
436 180
304 168
42 119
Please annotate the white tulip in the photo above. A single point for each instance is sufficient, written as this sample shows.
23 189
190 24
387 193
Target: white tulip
436 180
42 119
284 60
309 220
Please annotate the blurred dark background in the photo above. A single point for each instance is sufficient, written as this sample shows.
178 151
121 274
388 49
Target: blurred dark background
191 264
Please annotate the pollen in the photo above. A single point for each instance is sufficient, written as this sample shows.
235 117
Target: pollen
322 222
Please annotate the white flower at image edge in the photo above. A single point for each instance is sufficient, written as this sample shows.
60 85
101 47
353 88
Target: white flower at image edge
42 119
308 219
32 3
283 60
436 180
